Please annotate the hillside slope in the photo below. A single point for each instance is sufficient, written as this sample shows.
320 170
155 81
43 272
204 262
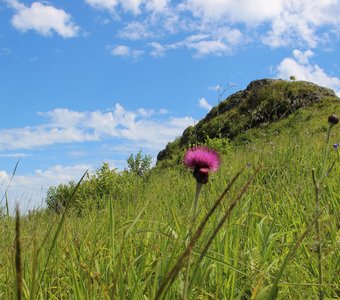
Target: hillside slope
261 104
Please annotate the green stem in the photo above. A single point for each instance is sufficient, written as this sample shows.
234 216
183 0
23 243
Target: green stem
318 236
194 215
323 166
193 224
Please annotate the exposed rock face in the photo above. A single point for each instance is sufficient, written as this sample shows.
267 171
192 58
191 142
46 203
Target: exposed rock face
263 101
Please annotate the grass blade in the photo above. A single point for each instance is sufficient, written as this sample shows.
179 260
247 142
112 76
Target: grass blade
61 222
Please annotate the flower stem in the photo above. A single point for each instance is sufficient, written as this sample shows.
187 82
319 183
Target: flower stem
192 225
317 183
318 237
194 214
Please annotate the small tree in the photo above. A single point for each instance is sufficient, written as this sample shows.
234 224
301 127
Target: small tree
57 197
139 164
104 180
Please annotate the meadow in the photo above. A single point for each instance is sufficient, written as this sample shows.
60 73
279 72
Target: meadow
124 245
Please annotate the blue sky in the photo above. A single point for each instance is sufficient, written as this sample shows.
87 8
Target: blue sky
87 81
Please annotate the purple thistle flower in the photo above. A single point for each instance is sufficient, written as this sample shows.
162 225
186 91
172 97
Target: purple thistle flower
336 146
202 160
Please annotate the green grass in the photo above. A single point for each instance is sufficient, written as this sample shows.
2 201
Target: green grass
124 249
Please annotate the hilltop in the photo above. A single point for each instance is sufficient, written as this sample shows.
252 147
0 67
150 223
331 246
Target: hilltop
262 103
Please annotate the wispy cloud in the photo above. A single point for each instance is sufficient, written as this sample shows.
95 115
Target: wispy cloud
66 126
13 155
42 18
302 68
225 25
133 6
286 22
5 51
30 190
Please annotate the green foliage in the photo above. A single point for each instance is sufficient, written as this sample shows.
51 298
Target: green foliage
139 164
221 145
57 197
95 189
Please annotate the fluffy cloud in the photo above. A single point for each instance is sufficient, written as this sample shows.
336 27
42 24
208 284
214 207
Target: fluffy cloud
157 5
45 19
248 11
300 66
204 104
67 126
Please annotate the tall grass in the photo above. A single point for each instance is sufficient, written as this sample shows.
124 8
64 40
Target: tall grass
125 249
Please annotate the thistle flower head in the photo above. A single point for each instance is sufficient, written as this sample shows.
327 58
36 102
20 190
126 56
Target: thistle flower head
333 119
202 160
336 146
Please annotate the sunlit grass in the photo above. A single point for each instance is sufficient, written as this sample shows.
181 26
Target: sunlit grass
124 249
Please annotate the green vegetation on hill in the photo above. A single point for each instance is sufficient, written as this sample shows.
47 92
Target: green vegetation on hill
124 247
261 103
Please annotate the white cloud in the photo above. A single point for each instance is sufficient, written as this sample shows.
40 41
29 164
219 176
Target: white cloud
67 126
302 57
103 4
127 5
249 11
30 190
305 22
45 19
204 45
145 112
300 66
142 128
125 51
227 24
204 104
286 21
215 87
158 49
163 111
201 44
135 31
157 5
133 6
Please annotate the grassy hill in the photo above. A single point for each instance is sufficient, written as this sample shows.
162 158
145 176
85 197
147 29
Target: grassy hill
124 243
262 103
